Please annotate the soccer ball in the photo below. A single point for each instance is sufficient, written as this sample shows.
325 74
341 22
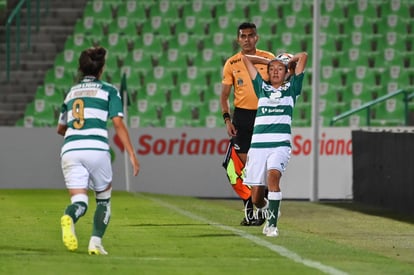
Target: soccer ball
284 58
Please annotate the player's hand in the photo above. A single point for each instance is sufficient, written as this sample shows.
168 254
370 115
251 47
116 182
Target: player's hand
135 164
231 130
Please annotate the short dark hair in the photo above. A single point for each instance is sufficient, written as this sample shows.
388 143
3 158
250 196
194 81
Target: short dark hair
246 25
91 61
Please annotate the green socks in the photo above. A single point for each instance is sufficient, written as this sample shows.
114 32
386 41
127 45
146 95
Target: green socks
76 210
101 217
274 205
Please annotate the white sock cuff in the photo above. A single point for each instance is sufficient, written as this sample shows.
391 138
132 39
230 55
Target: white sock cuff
275 196
79 198
104 195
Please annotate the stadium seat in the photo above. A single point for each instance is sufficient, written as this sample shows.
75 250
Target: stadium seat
50 96
192 39
160 78
149 43
39 114
208 62
150 117
302 115
158 25
101 11
92 30
177 114
237 10
185 45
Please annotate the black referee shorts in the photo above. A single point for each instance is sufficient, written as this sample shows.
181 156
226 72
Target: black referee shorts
243 120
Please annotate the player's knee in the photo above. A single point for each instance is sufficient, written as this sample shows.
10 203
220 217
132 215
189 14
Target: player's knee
79 198
104 195
81 202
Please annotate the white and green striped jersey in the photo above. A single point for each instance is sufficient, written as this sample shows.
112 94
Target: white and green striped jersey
85 111
272 126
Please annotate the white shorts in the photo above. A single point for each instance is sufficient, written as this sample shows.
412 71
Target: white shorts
87 168
259 161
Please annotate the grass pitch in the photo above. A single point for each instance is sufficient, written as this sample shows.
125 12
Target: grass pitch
158 234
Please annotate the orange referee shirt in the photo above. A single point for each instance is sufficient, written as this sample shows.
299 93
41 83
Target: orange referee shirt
235 73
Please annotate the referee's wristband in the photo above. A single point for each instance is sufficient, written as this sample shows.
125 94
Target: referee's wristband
226 116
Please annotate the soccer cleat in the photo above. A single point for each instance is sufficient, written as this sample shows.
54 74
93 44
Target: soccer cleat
272 231
96 248
68 233
265 228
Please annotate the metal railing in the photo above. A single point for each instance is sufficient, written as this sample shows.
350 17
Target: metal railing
367 106
16 14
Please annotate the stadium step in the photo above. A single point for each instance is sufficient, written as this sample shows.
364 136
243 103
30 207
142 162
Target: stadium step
45 43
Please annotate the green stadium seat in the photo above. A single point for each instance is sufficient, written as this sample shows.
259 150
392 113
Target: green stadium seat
150 117
331 110
157 25
133 10
184 43
208 62
302 115
90 29
370 42
40 114
149 43
176 114
236 9
199 8
50 96
112 67
219 24
156 88
177 61
190 93
102 11
139 63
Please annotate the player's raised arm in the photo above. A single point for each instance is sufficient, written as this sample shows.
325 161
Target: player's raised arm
300 59
251 69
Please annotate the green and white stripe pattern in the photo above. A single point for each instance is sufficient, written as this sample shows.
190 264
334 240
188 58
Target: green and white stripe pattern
85 111
272 126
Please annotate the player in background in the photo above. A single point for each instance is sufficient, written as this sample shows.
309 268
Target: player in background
85 157
270 149
239 125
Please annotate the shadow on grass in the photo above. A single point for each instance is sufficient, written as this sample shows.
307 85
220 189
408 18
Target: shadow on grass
370 210
216 235
167 224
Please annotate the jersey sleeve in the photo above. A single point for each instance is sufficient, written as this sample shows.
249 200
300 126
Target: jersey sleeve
115 103
63 116
257 85
227 74
296 83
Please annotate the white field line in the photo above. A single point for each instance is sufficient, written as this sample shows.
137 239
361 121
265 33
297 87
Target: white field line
282 251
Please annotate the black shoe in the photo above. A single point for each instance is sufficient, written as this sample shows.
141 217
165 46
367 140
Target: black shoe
245 222
260 218
257 222
254 222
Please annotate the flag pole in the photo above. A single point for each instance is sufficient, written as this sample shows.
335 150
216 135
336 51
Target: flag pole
314 184
124 95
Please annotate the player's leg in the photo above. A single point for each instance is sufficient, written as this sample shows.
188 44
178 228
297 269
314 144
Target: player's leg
101 177
243 120
76 180
100 221
276 163
255 177
274 197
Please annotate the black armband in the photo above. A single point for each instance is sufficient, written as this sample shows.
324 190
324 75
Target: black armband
226 116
